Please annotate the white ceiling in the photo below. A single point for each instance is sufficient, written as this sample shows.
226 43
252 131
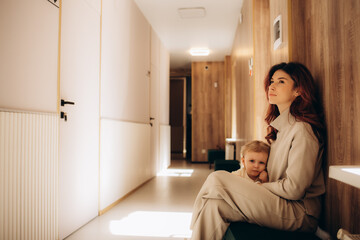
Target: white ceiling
215 31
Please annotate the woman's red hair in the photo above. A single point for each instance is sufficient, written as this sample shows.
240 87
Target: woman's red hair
306 107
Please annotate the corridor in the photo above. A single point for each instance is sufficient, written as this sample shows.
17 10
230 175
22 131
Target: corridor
160 209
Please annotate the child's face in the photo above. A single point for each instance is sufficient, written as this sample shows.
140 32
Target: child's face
254 163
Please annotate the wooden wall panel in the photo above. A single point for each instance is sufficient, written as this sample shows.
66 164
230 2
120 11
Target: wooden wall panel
251 103
242 53
265 56
228 102
279 7
208 115
326 37
262 63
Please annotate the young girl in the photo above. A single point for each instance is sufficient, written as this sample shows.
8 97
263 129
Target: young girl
291 199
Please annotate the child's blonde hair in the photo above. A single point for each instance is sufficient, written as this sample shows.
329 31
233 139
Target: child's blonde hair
255 146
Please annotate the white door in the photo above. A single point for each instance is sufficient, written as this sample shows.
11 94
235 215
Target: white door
154 115
154 103
79 134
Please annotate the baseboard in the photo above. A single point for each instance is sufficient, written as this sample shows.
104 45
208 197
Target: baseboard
101 212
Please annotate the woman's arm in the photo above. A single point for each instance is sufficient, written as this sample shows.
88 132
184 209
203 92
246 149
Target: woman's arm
303 167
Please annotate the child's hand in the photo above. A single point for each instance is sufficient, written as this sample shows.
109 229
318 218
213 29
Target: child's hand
263 176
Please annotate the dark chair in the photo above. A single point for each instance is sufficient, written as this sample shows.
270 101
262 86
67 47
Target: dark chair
247 231
215 154
227 165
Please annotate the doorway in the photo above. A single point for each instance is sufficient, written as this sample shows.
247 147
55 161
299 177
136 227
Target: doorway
180 117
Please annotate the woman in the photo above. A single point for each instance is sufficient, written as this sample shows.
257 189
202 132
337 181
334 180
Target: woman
291 199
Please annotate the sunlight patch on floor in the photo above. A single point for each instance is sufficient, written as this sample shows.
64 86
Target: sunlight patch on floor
176 172
153 224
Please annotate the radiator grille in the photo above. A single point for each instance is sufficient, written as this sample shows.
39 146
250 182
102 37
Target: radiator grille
28 175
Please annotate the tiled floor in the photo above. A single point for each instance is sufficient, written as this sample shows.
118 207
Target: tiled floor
161 209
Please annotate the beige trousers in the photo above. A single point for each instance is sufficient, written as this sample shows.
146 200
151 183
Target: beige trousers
226 198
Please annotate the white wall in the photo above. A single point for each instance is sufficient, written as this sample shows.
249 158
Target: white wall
165 147
29 33
164 85
125 150
125 62
155 101
29 55
29 81
159 107
165 131
130 95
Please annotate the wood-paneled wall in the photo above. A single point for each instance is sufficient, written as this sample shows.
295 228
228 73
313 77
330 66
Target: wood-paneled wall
208 114
326 38
265 56
243 80
262 63
228 102
279 7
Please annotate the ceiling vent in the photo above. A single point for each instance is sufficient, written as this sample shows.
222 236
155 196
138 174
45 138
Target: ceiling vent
198 12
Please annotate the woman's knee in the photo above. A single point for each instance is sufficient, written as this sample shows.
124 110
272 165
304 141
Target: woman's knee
215 176
224 211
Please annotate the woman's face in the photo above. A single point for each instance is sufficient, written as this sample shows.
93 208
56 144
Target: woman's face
281 90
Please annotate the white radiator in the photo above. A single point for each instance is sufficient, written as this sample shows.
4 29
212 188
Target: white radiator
28 175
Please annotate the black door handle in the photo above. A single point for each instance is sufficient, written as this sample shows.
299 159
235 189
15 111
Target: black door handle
63 102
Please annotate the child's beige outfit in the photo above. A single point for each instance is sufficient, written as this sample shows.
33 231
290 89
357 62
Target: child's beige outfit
242 173
289 201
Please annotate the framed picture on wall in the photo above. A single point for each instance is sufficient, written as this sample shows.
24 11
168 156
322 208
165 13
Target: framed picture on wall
277 32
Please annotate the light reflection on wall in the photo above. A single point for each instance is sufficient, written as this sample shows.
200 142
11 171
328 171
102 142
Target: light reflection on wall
354 170
153 224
